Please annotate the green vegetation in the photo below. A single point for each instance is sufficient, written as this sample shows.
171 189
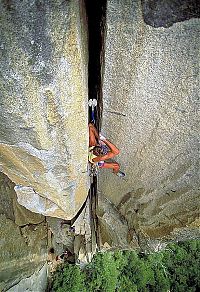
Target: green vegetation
177 268
69 278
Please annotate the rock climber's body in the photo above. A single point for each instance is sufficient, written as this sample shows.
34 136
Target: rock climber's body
96 155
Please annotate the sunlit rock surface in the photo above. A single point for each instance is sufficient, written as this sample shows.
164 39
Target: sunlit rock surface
113 227
150 96
23 239
43 104
36 282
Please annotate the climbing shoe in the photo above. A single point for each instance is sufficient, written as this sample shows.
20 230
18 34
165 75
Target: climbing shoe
120 174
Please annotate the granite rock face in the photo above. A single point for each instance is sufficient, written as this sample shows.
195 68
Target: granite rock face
113 227
166 12
43 104
150 102
23 238
36 282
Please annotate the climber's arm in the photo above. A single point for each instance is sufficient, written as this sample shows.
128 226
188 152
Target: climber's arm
112 153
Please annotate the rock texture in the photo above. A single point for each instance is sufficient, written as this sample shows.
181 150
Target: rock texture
37 282
166 12
150 95
23 238
113 227
43 104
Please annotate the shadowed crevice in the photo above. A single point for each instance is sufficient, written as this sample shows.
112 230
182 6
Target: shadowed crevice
164 13
96 18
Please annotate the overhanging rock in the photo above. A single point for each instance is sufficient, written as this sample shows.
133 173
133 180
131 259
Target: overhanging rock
43 110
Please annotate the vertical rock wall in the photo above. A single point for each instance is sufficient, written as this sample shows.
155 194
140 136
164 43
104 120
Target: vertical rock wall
43 103
23 238
151 94
37 282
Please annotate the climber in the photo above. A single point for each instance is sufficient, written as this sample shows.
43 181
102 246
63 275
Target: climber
67 256
100 149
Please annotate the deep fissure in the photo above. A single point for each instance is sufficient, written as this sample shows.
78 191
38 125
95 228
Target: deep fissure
96 19
96 15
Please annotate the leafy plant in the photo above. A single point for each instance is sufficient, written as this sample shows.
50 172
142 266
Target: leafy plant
69 278
174 269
